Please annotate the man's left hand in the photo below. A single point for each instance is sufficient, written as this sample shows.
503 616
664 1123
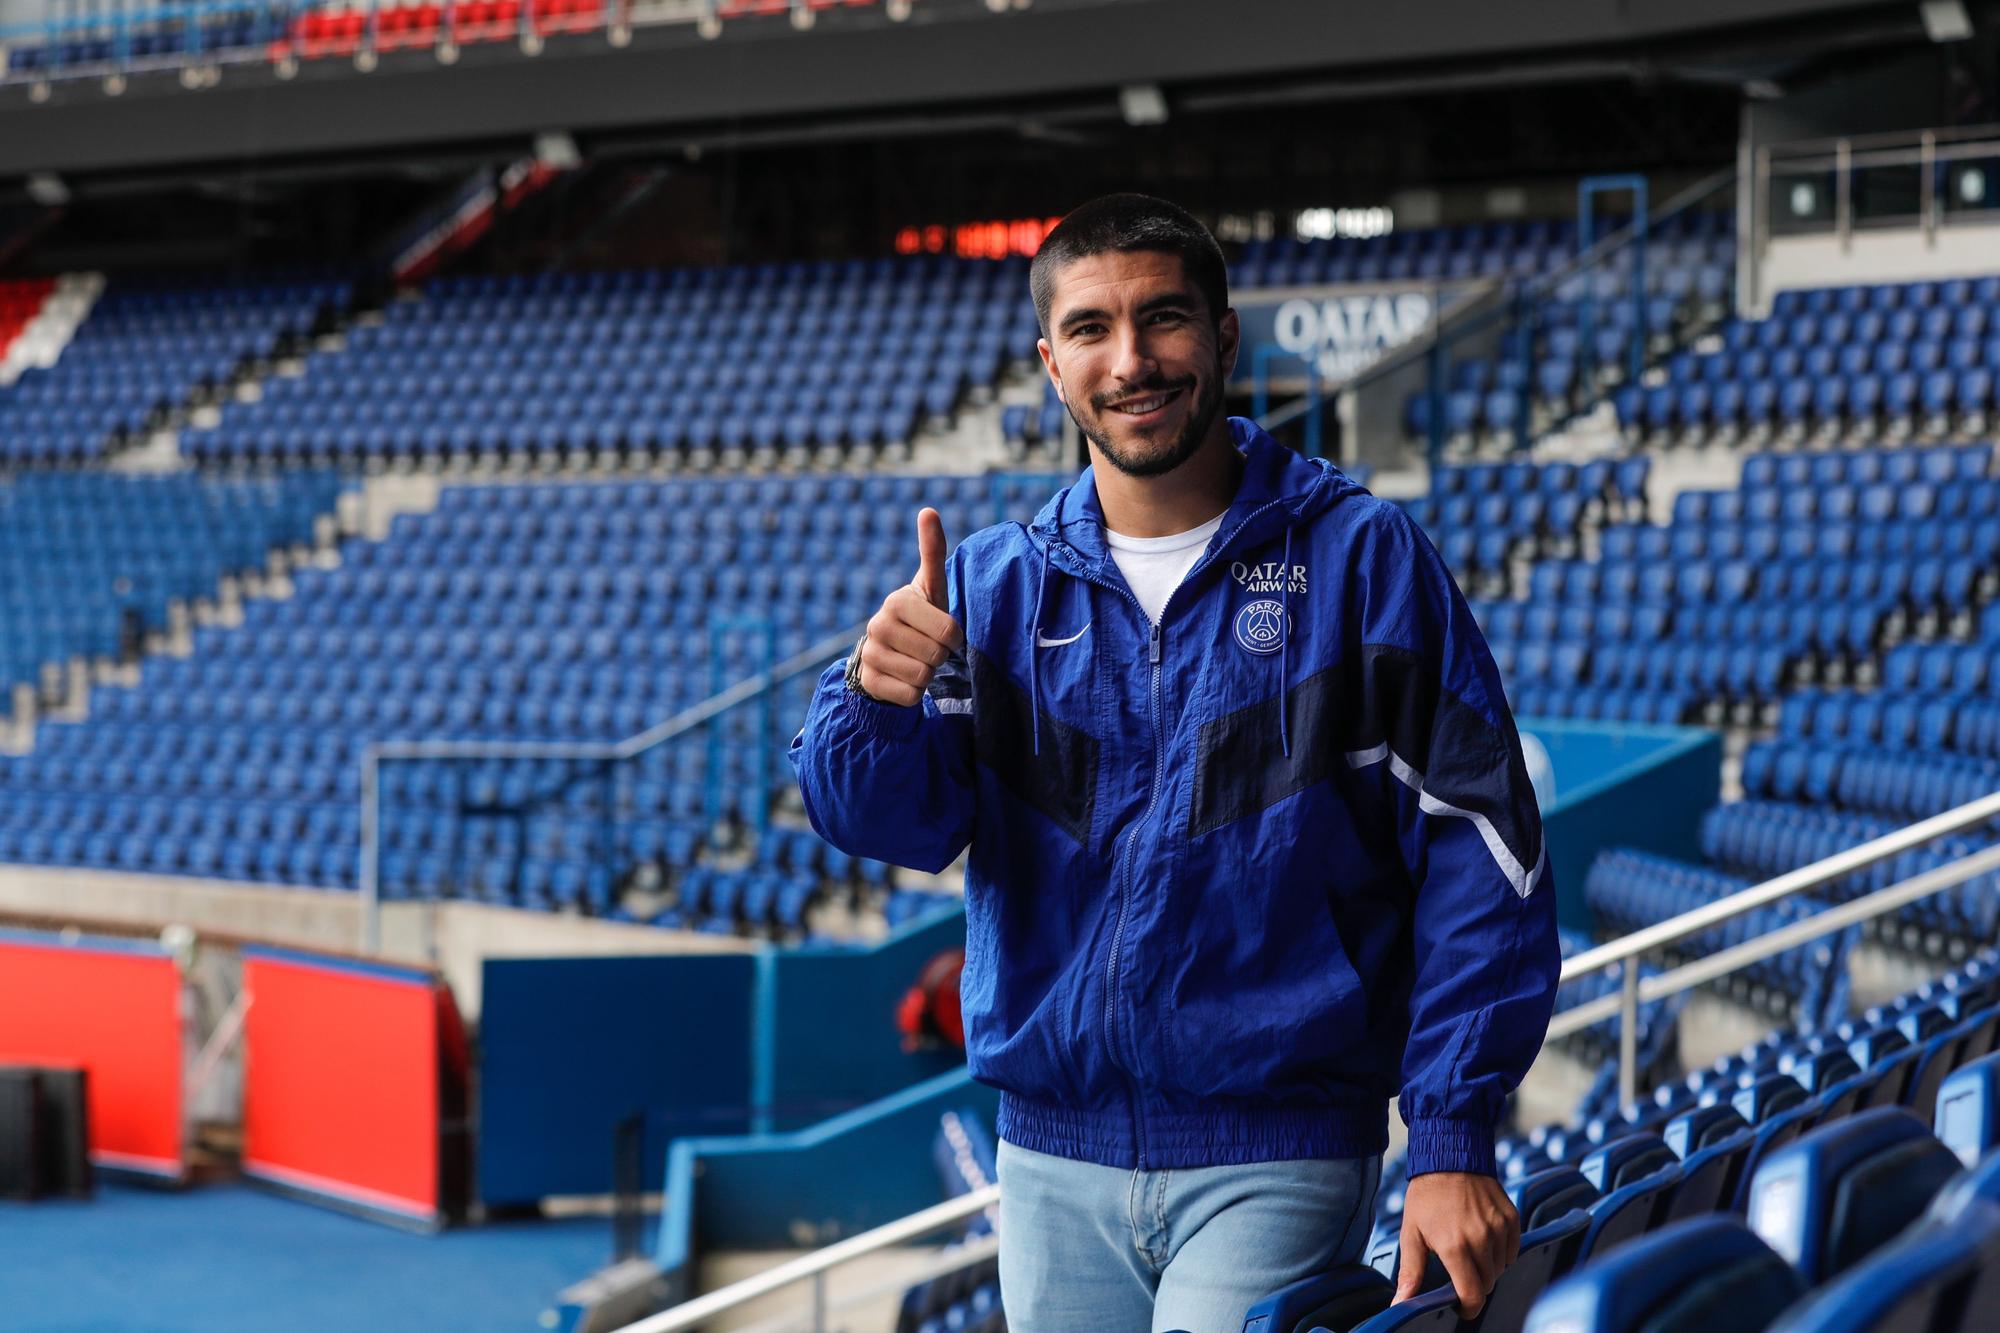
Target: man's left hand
1469 1223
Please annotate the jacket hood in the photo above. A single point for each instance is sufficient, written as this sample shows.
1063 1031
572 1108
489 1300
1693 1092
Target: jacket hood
1279 487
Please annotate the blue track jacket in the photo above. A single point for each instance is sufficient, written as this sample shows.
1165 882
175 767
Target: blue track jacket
1234 882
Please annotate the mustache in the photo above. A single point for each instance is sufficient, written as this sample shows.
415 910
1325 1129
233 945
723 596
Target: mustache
1159 384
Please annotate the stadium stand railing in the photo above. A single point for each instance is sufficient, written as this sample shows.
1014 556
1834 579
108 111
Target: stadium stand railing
1634 989
1936 177
814 1267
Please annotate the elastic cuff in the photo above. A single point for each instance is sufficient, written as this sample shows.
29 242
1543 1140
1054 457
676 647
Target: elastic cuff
889 722
1451 1145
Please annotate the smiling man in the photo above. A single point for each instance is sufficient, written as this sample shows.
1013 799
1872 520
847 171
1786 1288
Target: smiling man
1253 849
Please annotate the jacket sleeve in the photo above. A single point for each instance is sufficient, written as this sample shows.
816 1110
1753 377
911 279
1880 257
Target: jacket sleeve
889 782
1483 923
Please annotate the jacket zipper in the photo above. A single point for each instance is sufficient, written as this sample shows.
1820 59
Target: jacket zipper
1155 656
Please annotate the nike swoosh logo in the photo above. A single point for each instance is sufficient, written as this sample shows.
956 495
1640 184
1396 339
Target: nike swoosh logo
1044 641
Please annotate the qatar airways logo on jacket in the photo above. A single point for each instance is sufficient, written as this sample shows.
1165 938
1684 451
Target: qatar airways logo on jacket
1268 577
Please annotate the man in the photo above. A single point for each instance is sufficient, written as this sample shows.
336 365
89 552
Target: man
1252 846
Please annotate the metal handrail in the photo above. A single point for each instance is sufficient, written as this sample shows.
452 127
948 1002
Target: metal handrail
1625 952
374 754
1774 942
1783 886
1889 138
815 1266
1916 155
1846 155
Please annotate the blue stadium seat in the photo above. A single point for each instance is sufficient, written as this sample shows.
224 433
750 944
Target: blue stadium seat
1967 1115
1830 1198
1338 1299
1710 1273
1709 1177
1629 1210
1939 1275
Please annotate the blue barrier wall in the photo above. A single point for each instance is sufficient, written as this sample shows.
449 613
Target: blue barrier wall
700 1044
833 1043
811 1186
1623 786
569 1047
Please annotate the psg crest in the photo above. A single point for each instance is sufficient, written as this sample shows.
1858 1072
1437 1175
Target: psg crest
1260 627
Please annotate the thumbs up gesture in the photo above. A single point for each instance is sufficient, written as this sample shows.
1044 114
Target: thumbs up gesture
913 634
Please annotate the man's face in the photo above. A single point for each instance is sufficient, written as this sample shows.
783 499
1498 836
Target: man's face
1138 358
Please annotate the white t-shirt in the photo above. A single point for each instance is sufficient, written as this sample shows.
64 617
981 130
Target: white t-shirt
1155 566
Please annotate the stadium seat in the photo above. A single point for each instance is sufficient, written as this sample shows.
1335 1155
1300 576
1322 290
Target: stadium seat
1629 1210
1709 1273
1937 1275
1339 1299
1967 1115
1841 1191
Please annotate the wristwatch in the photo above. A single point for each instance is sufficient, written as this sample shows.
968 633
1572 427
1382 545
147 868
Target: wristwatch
854 669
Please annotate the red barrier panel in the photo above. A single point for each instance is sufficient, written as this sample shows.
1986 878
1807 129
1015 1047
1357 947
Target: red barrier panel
112 1007
353 1085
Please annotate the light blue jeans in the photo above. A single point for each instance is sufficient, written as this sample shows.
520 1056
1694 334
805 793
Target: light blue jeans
1097 1249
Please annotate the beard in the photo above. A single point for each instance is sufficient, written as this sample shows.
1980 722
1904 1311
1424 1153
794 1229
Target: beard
1186 443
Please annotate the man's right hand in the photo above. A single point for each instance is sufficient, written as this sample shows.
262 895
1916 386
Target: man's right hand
913 634
1468 1221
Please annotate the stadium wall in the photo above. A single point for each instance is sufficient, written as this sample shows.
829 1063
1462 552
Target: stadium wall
1905 254
459 937
810 1187
1626 786
570 1048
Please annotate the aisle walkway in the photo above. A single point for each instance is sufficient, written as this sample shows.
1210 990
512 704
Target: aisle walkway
232 1259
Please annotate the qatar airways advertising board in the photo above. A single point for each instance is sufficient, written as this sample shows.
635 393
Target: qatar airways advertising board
1340 331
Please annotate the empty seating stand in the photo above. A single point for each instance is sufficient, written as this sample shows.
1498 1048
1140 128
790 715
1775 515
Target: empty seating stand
826 363
159 36
1801 576
91 560
342 30
1564 358
512 612
1885 362
144 351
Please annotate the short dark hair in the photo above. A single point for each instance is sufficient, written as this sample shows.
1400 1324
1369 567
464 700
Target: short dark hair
1123 223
